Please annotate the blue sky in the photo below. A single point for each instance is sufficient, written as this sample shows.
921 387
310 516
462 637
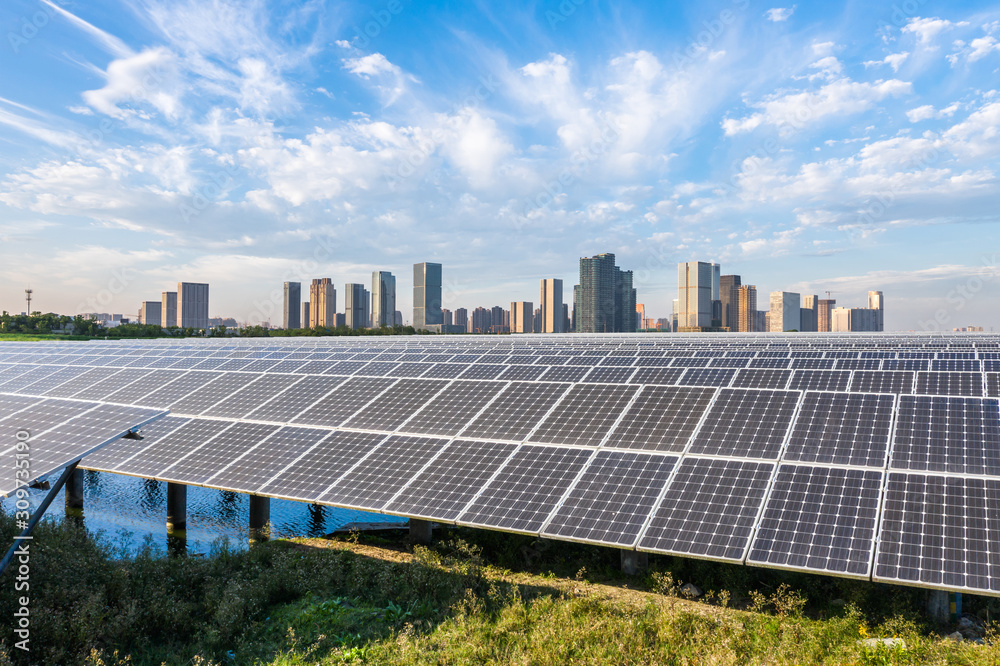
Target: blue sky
807 147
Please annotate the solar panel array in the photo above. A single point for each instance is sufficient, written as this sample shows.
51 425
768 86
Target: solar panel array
866 456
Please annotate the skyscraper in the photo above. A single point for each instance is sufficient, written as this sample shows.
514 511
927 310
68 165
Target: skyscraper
876 302
810 314
169 309
322 303
293 305
426 295
192 304
716 295
447 316
747 308
551 306
305 315
356 300
462 318
694 295
383 299
522 317
824 308
481 321
151 313
624 302
596 302
785 311
729 301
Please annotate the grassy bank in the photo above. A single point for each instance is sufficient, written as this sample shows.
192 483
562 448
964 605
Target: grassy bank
29 337
473 597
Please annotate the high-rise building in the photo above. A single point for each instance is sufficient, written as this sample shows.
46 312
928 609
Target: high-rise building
576 300
536 321
551 306
694 295
747 299
426 295
305 315
499 322
462 318
481 321
447 316
858 320
729 301
522 317
785 312
596 296
809 314
565 317
322 303
398 318
192 304
168 310
151 313
383 299
356 303
876 302
624 302
824 310
716 295
293 305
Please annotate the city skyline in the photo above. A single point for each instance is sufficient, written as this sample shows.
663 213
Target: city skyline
863 153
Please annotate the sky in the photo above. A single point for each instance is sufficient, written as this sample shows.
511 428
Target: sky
814 147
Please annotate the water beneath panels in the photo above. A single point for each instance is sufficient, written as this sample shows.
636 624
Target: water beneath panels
130 511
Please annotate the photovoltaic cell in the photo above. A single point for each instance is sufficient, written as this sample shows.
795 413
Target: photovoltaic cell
343 401
746 423
947 434
60 376
653 375
585 415
709 509
936 531
819 519
166 450
252 396
662 418
613 498
707 377
761 378
610 375
527 488
820 380
522 372
216 390
882 381
396 405
383 473
452 409
308 477
204 462
450 482
179 388
295 399
949 383
842 428
565 373
993 384
113 454
516 411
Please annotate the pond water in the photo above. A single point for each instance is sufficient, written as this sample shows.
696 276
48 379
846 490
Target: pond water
130 511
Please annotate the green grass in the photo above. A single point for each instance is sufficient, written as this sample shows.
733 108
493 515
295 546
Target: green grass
29 337
472 598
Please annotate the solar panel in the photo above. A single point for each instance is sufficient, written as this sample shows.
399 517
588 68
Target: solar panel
564 373
155 379
707 377
398 403
881 381
612 499
33 375
50 381
308 477
662 418
820 380
201 464
516 411
526 490
947 434
761 378
935 532
949 383
452 409
200 400
250 397
609 375
842 429
522 372
295 399
161 452
347 398
709 509
179 388
585 415
111 455
819 519
376 479
450 482
746 423
993 384
12 404
483 371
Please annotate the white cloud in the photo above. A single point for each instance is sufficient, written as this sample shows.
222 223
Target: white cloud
926 30
795 110
145 79
894 60
977 49
370 65
979 134
109 42
777 14
927 112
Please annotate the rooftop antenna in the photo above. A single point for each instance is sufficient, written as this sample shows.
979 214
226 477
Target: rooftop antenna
27 294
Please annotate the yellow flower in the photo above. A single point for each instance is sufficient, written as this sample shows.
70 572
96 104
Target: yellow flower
863 632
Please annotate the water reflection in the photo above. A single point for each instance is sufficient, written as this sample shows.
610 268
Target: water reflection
129 511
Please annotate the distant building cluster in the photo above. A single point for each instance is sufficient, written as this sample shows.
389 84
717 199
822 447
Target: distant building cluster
709 301
363 308
187 307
